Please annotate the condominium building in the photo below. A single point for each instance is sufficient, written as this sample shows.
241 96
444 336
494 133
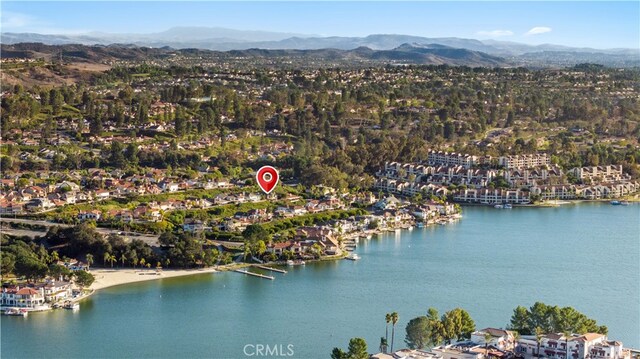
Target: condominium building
440 158
524 161
590 174
555 346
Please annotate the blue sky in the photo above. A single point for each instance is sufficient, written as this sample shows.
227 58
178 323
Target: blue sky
593 24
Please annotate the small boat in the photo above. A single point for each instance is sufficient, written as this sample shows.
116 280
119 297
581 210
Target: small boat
16 312
624 203
352 257
420 225
410 228
298 262
498 206
615 203
508 206
71 306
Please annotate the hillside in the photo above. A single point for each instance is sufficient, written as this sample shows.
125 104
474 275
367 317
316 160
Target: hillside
406 53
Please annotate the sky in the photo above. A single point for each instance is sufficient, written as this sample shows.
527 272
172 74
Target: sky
573 23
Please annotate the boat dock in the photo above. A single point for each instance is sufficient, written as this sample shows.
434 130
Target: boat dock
271 269
254 274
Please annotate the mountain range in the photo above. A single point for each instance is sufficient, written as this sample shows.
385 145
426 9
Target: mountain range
222 39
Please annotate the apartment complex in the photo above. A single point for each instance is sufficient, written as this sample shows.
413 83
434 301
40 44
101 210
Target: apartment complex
441 158
524 161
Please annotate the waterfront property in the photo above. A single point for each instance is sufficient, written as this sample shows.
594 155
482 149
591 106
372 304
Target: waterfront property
579 346
502 344
418 263
36 296
499 338
522 178
22 297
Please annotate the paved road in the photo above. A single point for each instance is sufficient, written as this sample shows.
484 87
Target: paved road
150 239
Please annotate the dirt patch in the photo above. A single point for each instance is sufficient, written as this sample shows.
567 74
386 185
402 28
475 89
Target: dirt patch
88 67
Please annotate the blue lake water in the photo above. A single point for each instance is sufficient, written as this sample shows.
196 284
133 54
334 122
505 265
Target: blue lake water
581 255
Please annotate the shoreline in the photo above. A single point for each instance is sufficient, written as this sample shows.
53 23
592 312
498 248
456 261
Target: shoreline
106 278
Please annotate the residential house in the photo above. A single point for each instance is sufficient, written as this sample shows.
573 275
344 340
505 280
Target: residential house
90 215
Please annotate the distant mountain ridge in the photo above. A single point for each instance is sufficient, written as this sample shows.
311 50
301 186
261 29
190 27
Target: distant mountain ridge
222 39
433 54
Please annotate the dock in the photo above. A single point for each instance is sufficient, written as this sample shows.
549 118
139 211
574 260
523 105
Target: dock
271 269
254 274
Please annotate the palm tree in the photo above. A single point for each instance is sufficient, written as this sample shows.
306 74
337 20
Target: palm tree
516 337
122 259
142 262
538 339
112 258
487 339
89 258
383 344
566 334
105 258
55 256
394 320
387 318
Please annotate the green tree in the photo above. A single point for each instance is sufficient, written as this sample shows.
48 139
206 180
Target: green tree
487 339
383 344
457 324
338 353
55 256
418 333
435 327
358 349
30 267
84 279
520 320
254 233
387 318
57 271
394 320
261 248
7 262
89 259
95 126
116 157
539 334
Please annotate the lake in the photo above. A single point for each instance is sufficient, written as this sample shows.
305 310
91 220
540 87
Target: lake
581 255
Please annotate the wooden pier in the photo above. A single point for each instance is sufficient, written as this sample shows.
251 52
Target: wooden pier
254 274
271 269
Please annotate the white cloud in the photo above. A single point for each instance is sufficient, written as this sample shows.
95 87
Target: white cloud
495 33
538 30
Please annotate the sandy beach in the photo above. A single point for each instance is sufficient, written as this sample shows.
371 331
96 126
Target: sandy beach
112 277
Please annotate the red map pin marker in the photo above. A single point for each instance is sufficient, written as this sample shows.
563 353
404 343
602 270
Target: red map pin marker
267 178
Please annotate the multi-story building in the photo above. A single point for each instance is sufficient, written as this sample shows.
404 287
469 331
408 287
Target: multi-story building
25 297
589 345
492 196
440 158
591 174
524 161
